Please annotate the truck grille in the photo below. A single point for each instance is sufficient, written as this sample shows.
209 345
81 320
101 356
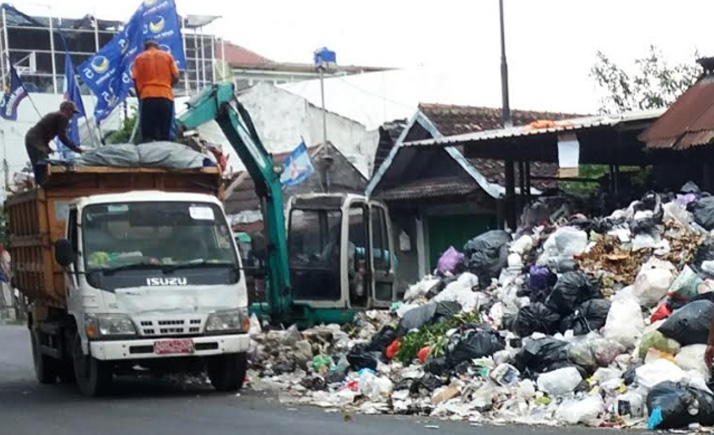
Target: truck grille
170 327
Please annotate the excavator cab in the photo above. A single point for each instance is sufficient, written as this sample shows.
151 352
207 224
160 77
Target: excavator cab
340 252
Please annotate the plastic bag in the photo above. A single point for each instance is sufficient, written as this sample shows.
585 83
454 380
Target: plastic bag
571 290
359 358
689 285
560 381
630 404
703 212
472 342
486 255
541 278
705 252
535 317
655 372
563 244
382 339
588 317
542 355
421 288
449 261
461 291
624 322
690 324
657 340
653 281
592 351
692 358
416 318
583 411
675 406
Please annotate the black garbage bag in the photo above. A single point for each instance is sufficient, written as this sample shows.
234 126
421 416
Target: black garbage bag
703 211
580 222
607 224
426 383
587 317
382 339
486 255
416 318
542 355
335 377
360 358
314 383
446 309
472 341
535 317
571 290
690 324
436 366
672 406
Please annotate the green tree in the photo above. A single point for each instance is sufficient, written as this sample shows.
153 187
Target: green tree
123 134
652 84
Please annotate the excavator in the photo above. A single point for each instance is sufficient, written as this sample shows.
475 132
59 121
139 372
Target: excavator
334 255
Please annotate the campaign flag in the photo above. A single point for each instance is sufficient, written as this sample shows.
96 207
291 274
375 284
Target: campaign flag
108 72
71 93
14 93
296 167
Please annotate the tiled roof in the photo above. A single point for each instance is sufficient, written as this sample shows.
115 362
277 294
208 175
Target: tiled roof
388 134
238 56
430 188
452 119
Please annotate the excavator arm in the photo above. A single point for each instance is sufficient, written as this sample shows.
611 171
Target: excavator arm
219 103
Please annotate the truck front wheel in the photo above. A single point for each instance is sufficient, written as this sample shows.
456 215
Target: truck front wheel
45 366
227 372
93 377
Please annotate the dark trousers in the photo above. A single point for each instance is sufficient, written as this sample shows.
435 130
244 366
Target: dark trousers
156 119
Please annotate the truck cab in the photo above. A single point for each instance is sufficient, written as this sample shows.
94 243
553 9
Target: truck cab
154 275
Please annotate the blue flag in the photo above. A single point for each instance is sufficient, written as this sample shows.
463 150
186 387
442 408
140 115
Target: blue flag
71 93
13 95
108 72
297 167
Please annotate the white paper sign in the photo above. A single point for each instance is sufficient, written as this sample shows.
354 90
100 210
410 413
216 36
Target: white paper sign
201 213
568 151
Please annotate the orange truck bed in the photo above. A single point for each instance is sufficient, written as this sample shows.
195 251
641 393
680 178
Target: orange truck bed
36 218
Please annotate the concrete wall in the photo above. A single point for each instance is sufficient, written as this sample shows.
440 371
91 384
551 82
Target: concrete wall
283 118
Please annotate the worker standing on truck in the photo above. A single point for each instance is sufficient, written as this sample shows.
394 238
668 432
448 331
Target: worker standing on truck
37 139
155 72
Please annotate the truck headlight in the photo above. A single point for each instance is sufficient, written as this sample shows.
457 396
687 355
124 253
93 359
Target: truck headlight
107 325
228 321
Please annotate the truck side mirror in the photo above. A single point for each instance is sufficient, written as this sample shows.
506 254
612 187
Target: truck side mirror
64 256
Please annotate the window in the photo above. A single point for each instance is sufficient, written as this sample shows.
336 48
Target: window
380 249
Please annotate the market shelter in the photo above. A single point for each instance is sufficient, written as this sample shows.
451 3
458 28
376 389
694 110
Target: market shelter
602 140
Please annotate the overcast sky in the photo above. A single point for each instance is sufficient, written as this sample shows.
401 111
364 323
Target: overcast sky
551 44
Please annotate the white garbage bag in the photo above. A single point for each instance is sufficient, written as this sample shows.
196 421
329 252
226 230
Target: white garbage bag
584 411
658 371
560 381
624 322
653 281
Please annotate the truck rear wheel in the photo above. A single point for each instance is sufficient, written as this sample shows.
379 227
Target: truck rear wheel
93 377
45 366
227 372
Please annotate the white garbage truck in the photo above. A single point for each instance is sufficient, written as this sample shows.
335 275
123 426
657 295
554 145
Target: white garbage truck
129 270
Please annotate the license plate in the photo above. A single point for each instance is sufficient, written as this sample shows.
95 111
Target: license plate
168 347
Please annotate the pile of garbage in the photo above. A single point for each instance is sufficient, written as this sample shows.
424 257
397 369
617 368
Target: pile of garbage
602 322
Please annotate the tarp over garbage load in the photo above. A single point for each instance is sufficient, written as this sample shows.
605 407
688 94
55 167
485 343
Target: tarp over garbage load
164 155
599 321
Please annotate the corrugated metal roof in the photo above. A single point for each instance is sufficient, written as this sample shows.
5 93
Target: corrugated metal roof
573 124
689 122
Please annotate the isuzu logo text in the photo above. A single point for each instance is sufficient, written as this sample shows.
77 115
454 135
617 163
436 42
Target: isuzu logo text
166 281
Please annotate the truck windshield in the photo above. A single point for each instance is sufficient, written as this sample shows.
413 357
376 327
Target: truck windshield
126 236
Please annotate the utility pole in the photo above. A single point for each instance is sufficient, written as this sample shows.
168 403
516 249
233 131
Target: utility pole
510 199
506 110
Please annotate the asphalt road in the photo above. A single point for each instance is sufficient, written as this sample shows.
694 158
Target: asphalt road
156 407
